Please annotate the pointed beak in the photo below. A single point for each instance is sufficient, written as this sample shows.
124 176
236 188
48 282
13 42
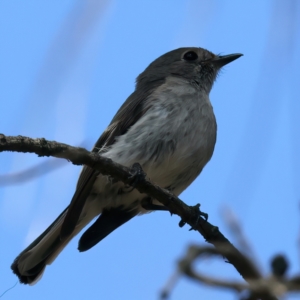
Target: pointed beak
221 61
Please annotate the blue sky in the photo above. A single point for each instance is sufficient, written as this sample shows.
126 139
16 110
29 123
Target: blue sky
67 66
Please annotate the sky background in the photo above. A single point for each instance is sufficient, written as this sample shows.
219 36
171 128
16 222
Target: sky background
67 66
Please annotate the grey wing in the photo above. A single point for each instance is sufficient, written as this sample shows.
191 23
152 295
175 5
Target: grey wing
129 113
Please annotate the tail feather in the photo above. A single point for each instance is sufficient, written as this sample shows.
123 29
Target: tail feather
30 263
107 222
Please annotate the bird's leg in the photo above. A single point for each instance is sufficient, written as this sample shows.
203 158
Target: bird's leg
147 204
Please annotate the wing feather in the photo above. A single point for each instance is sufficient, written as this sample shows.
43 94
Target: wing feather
129 113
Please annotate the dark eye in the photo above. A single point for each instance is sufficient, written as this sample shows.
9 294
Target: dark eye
191 55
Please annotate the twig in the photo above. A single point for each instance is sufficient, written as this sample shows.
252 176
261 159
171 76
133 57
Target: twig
31 173
234 225
270 287
188 214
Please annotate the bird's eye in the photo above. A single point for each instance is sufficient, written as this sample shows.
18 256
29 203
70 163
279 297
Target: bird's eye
191 55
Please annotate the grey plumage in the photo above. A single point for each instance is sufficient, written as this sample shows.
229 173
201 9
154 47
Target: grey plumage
167 125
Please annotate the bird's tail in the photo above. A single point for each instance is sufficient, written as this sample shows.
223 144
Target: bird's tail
30 263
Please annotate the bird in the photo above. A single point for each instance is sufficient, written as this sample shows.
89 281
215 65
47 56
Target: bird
167 126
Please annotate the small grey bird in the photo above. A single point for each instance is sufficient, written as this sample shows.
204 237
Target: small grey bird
167 125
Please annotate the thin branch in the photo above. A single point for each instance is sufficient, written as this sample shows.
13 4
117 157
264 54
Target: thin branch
234 226
186 266
31 173
188 214
270 287
40 169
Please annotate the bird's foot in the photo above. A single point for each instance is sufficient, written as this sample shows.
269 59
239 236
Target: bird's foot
137 175
197 214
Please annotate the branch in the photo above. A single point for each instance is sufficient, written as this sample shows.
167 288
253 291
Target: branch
272 287
31 173
188 214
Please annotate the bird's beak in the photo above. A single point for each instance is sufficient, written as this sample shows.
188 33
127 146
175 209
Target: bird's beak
220 61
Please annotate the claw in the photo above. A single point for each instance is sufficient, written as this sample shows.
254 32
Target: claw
198 214
181 223
137 175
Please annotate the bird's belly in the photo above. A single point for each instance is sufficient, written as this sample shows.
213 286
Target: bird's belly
177 170
172 169
172 151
